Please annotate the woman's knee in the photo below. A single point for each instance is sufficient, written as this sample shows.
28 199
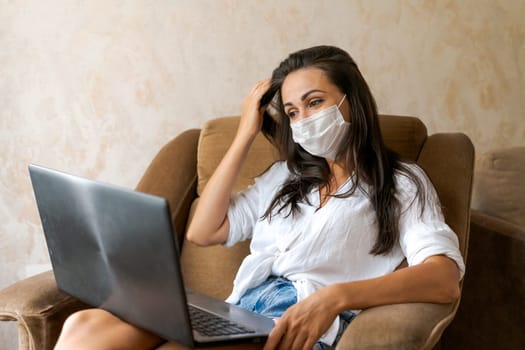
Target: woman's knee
85 320
79 328
99 329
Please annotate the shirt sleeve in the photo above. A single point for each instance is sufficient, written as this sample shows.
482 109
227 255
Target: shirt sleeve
247 207
422 227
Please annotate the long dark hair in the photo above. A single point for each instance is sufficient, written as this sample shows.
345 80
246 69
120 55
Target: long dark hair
362 150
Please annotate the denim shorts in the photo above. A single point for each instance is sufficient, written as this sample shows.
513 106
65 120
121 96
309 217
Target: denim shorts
271 298
275 295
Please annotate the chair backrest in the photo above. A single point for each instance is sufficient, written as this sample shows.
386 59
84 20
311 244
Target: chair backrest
447 158
405 135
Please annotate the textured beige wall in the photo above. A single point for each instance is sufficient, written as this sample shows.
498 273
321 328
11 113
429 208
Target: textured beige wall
96 87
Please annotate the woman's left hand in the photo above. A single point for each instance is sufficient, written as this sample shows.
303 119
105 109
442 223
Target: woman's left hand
304 323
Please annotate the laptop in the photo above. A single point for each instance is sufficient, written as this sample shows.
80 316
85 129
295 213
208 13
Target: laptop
115 249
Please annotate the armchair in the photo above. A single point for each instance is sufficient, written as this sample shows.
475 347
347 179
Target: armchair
492 313
180 171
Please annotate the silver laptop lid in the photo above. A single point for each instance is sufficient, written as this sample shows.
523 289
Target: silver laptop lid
96 233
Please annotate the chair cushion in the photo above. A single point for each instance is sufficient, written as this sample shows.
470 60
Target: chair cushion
448 160
499 188
404 135
215 139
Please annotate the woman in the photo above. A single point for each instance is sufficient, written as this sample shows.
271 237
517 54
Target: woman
329 225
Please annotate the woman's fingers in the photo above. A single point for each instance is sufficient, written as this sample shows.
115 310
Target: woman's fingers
275 336
261 85
251 118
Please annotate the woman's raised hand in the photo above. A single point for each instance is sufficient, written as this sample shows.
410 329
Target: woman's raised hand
210 224
252 111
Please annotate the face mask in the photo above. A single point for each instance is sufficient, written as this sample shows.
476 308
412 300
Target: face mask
321 133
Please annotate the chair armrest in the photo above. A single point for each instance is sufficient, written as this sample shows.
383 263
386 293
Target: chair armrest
491 312
39 308
36 303
172 174
487 223
399 326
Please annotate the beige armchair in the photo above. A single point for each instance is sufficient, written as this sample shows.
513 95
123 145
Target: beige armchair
180 171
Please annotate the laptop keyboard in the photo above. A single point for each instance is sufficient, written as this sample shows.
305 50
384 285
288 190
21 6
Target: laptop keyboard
211 325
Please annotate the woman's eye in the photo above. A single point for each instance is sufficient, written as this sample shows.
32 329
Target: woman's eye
315 102
291 114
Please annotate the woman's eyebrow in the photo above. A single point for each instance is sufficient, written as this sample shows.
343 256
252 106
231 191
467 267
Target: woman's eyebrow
305 95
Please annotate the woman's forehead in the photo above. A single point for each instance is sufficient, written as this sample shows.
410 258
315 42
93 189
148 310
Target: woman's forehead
303 80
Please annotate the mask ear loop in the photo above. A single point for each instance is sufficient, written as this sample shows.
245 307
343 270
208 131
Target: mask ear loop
340 103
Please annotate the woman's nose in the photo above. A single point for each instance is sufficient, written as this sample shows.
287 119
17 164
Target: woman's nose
300 115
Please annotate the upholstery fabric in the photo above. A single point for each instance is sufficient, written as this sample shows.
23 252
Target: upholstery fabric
172 175
443 156
32 303
402 326
216 137
405 135
499 185
211 270
491 315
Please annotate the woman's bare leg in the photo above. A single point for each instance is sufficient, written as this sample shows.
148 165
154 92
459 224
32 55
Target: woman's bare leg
98 329
172 346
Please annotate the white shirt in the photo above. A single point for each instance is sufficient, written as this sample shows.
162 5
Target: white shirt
319 247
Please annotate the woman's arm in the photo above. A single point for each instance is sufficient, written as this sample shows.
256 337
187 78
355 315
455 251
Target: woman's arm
210 223
436 280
